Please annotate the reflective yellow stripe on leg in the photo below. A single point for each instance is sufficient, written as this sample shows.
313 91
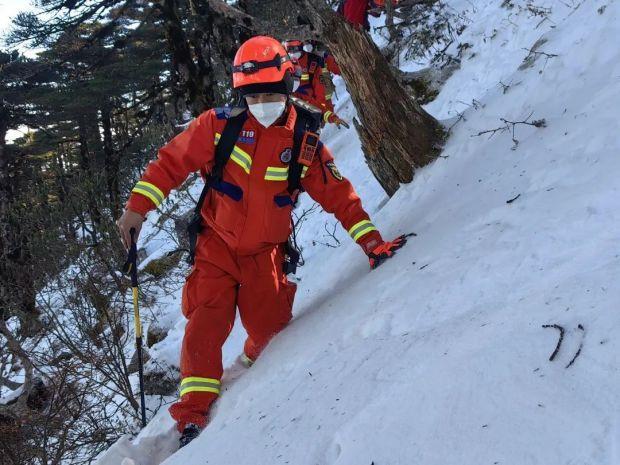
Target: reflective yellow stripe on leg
198 384
361 228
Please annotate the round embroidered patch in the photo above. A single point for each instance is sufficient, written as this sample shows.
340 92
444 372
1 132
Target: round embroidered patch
334 171
286 155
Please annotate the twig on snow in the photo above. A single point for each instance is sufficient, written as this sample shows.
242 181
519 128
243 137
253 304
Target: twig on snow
511 125
583 335
536 52
330 234
506 87
557 347
513 199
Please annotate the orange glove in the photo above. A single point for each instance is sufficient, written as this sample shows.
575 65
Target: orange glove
386 250
330 117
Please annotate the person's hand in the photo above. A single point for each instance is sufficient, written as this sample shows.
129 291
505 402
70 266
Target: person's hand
128 220
385 250
333 118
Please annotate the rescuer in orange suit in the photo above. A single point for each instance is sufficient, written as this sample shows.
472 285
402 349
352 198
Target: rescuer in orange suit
239 254
356 11
315 68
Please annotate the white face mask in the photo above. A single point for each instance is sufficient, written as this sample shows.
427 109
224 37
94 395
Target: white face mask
308 48
267 113
295 55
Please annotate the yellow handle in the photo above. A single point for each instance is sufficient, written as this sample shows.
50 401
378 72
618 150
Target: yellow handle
136 312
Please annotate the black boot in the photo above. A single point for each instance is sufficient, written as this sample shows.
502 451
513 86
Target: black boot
190 432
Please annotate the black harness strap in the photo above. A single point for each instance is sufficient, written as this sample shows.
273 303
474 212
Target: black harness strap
227 141
307 120
318 61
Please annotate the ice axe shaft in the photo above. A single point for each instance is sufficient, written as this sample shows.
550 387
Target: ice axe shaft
131 267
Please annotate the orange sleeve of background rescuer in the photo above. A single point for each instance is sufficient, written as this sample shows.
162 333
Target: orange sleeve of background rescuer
332 66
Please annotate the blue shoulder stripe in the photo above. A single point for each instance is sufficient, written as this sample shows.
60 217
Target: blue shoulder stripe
222 112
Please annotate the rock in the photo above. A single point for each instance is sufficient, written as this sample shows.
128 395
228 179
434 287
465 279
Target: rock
160 266
155 334
426 83
158 382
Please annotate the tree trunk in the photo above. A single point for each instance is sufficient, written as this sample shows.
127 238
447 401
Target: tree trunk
190 82
112 162
17 287
89 181
4 227
397 135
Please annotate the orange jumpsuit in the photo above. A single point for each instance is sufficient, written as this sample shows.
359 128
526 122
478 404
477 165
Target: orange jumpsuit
239 255
311 89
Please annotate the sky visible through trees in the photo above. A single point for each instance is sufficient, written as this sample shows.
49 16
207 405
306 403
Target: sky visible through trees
8 10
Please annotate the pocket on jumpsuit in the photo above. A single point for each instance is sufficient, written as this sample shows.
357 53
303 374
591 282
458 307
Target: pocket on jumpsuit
278 222
290 290
187 298
226 211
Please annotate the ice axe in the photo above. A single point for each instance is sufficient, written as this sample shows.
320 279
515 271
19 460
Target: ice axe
342 122
131 267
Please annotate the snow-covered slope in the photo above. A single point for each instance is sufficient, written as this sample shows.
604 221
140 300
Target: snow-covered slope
439 356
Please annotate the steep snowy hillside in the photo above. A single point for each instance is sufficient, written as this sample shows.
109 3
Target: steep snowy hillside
440 356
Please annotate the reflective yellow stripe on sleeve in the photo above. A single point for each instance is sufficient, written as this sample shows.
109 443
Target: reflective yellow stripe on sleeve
275 173
198 384
304 170
238 155
305 77
150 191
326 115
361 228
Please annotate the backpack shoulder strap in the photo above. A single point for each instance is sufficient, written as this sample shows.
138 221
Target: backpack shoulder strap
308 120
225 145
317 61
227 141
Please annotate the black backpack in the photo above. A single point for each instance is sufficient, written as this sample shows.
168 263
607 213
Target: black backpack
308 119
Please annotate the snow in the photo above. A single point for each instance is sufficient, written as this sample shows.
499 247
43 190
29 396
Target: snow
11 396
439 356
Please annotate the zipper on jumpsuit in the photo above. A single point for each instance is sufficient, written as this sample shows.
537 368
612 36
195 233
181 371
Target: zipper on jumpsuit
246 196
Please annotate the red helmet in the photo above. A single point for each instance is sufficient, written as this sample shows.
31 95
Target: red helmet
262 60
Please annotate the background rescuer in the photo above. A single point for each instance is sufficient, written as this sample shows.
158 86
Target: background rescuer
315 85
247 214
